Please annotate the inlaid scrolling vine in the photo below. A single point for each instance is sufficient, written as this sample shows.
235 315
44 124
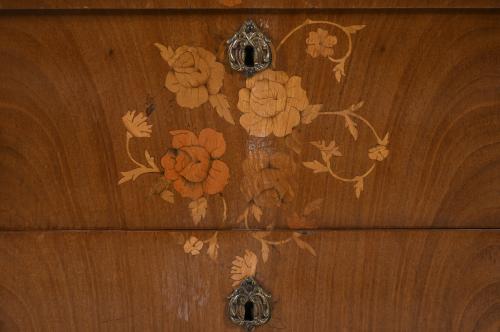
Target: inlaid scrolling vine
272 104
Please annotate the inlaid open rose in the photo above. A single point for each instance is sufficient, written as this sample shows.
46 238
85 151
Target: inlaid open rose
193 164
194 74
272 102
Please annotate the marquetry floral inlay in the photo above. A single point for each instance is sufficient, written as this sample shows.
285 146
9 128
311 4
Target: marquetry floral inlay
243 267
196 78
272 104
193 246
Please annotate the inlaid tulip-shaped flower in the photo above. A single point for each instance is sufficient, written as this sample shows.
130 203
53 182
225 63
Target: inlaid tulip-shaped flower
136 124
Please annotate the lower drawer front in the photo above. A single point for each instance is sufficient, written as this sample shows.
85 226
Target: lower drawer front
179 281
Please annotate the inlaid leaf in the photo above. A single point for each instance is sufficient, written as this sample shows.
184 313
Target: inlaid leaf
198 209
243 216
167 196
310 113
149 159
357 106
166 53
221 105
358 186
353 28
302 244
327 150
316 166
351 125
213 247
385 140
338 75
133 174
264 251
339 71
256 211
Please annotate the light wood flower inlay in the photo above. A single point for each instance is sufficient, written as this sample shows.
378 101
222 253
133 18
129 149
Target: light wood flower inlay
271 103
243 267
136 124
320 42
193 246
196 78
193 164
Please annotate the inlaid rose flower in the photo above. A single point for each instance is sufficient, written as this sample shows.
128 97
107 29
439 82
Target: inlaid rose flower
193 164
320 43
194 74
272 102
268 179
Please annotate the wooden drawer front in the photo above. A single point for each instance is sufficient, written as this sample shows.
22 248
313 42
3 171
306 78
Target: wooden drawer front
359 281
142 179
413 111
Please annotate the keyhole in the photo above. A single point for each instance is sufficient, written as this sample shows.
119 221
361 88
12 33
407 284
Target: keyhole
249 56
249 311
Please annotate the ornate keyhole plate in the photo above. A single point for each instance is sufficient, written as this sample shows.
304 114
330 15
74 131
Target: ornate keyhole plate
249 50
249 305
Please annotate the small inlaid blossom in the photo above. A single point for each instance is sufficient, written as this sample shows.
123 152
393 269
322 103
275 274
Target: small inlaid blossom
137 125
243 267
379 153
193 246
320 43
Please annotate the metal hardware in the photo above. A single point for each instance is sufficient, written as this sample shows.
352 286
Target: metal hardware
249 305
249 50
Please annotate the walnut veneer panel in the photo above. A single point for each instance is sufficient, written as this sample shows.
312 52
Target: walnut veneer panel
430 80
359 281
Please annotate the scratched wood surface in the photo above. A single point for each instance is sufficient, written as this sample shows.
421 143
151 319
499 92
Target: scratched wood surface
360 281
429 80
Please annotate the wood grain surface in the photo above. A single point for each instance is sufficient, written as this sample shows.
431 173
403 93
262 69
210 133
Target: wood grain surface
431 80
132 156
360 281
227 4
